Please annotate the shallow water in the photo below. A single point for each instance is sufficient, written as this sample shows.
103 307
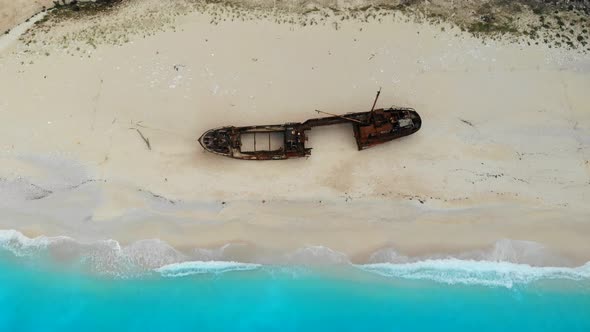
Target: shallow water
47 295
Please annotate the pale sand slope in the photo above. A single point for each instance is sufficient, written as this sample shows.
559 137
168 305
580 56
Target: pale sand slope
516 167
13 12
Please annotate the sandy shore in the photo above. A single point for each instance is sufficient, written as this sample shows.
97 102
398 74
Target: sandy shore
504 150
14 12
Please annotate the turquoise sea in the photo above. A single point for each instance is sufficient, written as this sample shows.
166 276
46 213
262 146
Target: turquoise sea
43 293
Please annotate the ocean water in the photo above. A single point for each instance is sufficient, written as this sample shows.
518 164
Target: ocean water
42 289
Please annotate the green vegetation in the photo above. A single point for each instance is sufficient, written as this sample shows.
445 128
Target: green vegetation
70 9
491 28
516 20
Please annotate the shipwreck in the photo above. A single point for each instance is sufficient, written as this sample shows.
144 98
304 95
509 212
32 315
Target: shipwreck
285 141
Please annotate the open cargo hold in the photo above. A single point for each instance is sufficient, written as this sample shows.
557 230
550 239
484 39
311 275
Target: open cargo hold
275 142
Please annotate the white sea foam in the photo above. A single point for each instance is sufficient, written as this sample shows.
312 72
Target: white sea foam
150 254
20 245
228 252
505 264
388 255
316 255
471 272
204 267
518 251
209 254
103 256
109 257
504 250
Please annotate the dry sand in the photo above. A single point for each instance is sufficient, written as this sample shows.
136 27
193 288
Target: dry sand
13 12
504 150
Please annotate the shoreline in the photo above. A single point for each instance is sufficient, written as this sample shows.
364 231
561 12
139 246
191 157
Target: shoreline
273 228
108 257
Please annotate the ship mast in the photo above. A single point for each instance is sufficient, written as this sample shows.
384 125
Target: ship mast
375 102
373 108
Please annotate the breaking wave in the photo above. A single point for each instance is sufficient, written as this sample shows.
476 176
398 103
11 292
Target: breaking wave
469 272
505 264
203 267
504 250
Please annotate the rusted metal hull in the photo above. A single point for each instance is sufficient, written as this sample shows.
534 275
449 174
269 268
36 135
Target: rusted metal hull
276 142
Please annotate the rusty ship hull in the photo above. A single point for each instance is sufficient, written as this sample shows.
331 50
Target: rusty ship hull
285 141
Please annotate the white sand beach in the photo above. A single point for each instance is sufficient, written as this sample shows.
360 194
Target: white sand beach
14 12
503 152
